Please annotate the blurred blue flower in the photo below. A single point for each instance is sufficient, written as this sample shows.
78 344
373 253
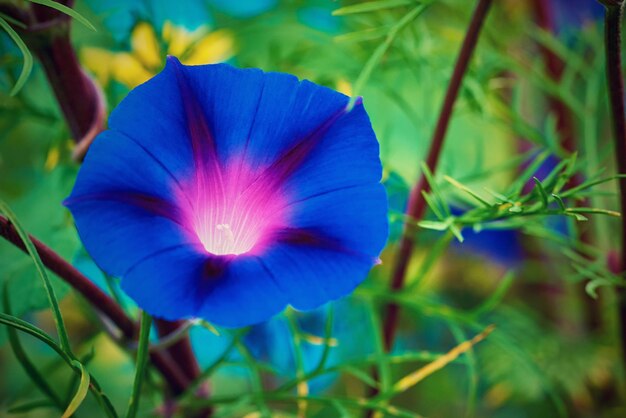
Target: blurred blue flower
572 14
272 342
120 16
228 194
243 8
319 18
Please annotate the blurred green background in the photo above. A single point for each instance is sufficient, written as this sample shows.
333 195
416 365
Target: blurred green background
550 293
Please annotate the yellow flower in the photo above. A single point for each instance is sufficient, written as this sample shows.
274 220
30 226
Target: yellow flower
148 52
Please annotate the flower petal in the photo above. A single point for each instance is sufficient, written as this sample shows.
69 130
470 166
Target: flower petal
245 294
171 284
123 204
330 255
347 156
153 116
260 115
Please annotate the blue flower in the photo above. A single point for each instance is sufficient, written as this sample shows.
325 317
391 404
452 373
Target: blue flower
228 194
273 342
576 13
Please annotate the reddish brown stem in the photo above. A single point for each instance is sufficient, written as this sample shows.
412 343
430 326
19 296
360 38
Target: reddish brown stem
98 299
613 45
565 128
181 350
417 204
47 34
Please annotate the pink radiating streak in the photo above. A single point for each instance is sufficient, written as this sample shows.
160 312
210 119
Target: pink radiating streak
240 220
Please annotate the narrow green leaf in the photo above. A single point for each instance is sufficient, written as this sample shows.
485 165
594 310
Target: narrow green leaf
13 21
67 10
589 184
497 296
434 255
559 201
28 57
22 358
542 193
27 328
472 373
501 198
52 299
362 375
328 335
430 201
81 392
30 406
371 6
375 58
456 231
142 361
256 380
434 225
518 185
436 190
594 210
362 35
467 190
577 216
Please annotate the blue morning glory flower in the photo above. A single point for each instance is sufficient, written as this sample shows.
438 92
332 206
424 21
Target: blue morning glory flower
228 194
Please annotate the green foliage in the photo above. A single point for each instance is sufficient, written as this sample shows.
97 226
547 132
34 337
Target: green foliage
542 360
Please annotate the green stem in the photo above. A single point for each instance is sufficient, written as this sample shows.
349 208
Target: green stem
142 360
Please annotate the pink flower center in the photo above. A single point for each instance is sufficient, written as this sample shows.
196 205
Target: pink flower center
233 212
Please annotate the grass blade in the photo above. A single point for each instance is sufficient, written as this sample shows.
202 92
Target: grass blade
81 392
382 48
25 362
371 6
28 57
66 10
52 299
32 330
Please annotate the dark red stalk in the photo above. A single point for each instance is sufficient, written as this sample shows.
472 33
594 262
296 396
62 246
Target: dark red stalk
613 45
98 299
181 349
47 34
417 205
565 128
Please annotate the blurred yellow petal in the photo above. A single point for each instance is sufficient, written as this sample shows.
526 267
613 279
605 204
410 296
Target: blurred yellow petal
217 46
145 45
52 159
129 71
179 39
99 62
344 86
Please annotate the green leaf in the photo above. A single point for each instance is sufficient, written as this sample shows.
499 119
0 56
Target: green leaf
559 200
467 190
436 190
542 193
586 185
67 10
371 6
516 188
27 365
30 406
28 57
32 330
496 297
81 392
375 58
142 361
434 225
52 299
